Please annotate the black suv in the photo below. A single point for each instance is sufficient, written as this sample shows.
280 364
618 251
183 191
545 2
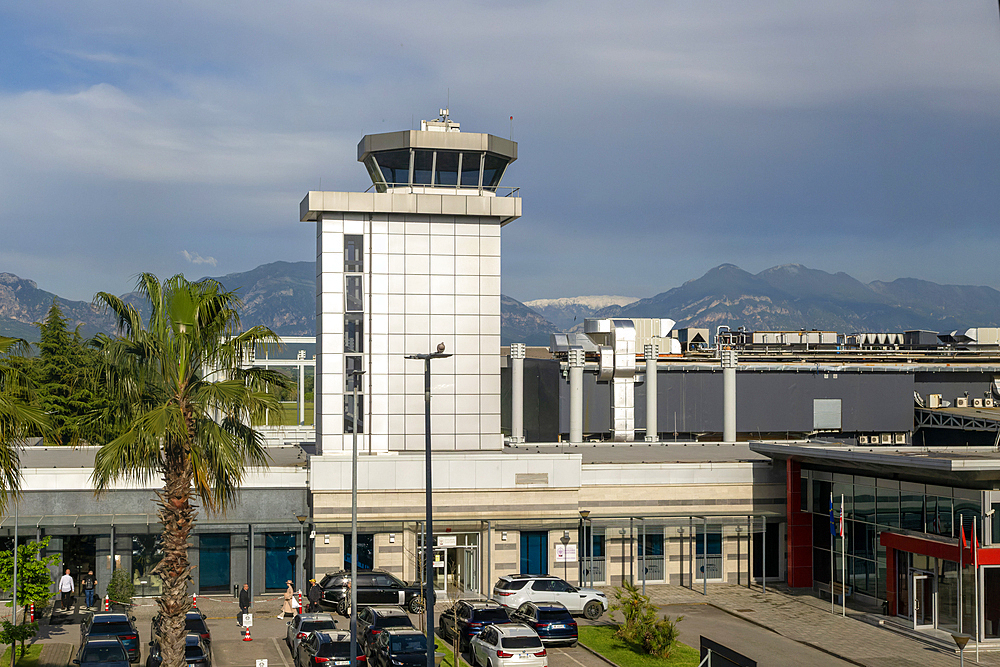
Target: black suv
467 618
374 587
373 620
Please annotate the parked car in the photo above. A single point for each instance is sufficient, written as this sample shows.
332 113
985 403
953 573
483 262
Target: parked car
326 648
303 624
467 618
552 621
197 653
374 587
402 647
194 622
513 590
106 652
108 625
373 620
506 645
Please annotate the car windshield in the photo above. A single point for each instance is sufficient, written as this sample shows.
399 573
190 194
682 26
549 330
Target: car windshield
554 616
108 653
413 644
309 626
196 625
117 628
491 615
193 652
521 642
394 622
514 585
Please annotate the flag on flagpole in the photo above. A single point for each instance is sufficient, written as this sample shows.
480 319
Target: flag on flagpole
840 530
833 523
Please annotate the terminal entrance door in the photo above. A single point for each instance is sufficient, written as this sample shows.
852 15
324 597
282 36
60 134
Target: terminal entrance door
923 599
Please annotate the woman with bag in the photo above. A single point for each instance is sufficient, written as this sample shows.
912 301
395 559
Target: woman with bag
287 606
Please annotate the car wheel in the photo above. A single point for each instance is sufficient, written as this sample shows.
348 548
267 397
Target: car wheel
593 610
342 607
416 605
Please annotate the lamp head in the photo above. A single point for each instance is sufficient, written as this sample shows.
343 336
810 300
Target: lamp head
584 514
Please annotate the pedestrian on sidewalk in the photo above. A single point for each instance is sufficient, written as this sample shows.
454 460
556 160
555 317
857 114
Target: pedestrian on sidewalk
315 595
89 583
286 606
245 601
66 588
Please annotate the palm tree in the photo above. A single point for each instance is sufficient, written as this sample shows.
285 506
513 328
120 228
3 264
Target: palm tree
17 416
184 406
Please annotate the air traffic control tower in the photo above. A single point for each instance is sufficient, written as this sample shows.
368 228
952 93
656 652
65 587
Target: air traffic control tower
411 263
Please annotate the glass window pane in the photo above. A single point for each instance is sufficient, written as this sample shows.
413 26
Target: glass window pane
349 413
939 515
821 496
395 166
911 509
354 258
353 293
354 330
470 170
864 503
887 507
422 163
352 363
493 170
447 168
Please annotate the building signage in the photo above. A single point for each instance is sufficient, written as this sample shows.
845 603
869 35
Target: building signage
565 553
447 540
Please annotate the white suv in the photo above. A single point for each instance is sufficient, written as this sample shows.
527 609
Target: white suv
513 589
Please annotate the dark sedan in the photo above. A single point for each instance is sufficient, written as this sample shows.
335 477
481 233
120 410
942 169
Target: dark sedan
194 623
552 621
399 648
196 653
373 620
107 652
327 648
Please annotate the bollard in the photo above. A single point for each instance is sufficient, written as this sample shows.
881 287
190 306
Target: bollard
194 600
32 612
107 603
300 601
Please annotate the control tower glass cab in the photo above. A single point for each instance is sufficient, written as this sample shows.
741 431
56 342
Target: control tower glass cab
438 158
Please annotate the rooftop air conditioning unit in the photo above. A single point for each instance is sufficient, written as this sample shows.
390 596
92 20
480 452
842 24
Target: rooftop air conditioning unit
900 438
934 401
988 403
977 402
962 402
862 439
887 438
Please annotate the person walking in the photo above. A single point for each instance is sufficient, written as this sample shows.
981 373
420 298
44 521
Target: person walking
66 588
89 583
315 594
286 607
245 601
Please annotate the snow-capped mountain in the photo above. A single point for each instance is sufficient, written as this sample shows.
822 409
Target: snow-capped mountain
567 312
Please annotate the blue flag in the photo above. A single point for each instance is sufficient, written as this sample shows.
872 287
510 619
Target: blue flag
833 523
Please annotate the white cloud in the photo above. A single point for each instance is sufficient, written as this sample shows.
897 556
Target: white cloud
195 258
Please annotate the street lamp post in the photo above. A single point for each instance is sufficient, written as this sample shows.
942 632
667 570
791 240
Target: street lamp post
621 531
428 501
565 542
588 547
302 546
356 380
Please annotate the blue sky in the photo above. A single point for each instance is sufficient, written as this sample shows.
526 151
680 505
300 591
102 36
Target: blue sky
656 139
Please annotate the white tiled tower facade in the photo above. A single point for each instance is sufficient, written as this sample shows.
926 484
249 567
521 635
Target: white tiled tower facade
401 269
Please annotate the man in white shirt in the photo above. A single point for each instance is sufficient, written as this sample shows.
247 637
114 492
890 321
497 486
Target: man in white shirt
66 587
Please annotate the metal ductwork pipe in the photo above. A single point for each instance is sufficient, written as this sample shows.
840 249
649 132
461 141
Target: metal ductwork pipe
651 352
728 395
576 361
517 392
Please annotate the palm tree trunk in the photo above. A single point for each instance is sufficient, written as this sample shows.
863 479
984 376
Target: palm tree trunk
177 516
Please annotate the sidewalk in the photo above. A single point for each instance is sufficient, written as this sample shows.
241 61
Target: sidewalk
802 617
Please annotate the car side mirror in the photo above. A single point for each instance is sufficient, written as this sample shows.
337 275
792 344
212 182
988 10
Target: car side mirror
76 661
133 618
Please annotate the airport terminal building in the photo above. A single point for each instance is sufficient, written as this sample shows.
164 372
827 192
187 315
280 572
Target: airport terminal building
629 449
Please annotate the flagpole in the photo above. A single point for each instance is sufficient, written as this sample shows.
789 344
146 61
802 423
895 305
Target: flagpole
843 558
833 571
961 600
975 581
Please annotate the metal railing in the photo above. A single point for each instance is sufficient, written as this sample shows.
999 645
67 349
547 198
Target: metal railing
710 567
427 188
653 567
598 569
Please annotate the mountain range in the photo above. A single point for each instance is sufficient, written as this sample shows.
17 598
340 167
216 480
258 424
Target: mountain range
281 295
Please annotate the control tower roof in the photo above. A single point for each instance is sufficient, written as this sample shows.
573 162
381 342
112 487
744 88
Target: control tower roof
438 155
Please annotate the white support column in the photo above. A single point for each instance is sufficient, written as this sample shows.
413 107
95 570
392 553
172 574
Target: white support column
577 359
301 358
651 352
729 395
517 392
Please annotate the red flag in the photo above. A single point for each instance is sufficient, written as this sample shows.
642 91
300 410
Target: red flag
962 531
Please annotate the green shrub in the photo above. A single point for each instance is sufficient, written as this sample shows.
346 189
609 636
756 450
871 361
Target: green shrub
120 588
641 625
